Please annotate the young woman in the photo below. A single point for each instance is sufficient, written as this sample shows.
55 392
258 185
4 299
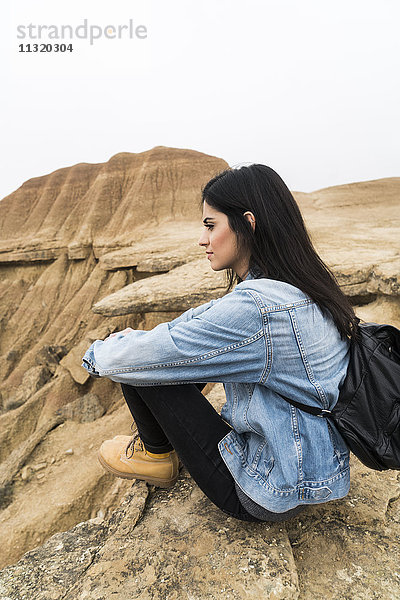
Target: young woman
283 329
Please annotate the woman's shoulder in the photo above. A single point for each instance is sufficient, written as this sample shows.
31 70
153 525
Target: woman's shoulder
272 292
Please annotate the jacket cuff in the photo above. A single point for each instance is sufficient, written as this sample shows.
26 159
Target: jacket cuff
88 362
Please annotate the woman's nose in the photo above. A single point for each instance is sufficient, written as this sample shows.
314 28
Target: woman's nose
203 239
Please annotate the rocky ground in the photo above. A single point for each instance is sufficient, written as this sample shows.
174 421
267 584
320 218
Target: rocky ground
92 249
174 544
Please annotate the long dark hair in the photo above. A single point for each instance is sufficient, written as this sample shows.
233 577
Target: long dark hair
280 247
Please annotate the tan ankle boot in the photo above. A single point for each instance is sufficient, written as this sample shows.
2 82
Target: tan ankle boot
127 457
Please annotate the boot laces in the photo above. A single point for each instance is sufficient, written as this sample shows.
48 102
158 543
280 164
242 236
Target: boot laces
134 444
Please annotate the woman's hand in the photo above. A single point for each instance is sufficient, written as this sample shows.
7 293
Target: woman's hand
123 332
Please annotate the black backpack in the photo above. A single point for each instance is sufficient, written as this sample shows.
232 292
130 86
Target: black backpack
367 413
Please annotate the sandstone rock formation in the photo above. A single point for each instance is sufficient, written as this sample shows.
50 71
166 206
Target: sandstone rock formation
54 230
92 249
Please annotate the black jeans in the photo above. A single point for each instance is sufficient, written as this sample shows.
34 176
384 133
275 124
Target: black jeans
179 417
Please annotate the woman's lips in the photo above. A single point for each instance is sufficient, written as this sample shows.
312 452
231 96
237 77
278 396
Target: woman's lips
209 254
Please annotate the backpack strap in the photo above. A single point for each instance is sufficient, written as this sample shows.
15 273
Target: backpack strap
312 410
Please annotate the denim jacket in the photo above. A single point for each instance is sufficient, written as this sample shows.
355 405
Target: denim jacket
263 338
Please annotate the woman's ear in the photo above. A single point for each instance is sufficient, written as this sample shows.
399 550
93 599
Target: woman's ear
250 217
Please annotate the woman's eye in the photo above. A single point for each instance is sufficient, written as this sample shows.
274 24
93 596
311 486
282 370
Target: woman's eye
209 226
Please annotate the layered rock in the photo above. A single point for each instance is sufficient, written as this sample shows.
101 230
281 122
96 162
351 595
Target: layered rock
55 228
179 289
59 234
102 206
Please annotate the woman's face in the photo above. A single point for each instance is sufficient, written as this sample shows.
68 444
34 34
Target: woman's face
220 243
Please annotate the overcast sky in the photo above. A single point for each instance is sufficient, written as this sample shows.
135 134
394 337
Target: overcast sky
309 87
